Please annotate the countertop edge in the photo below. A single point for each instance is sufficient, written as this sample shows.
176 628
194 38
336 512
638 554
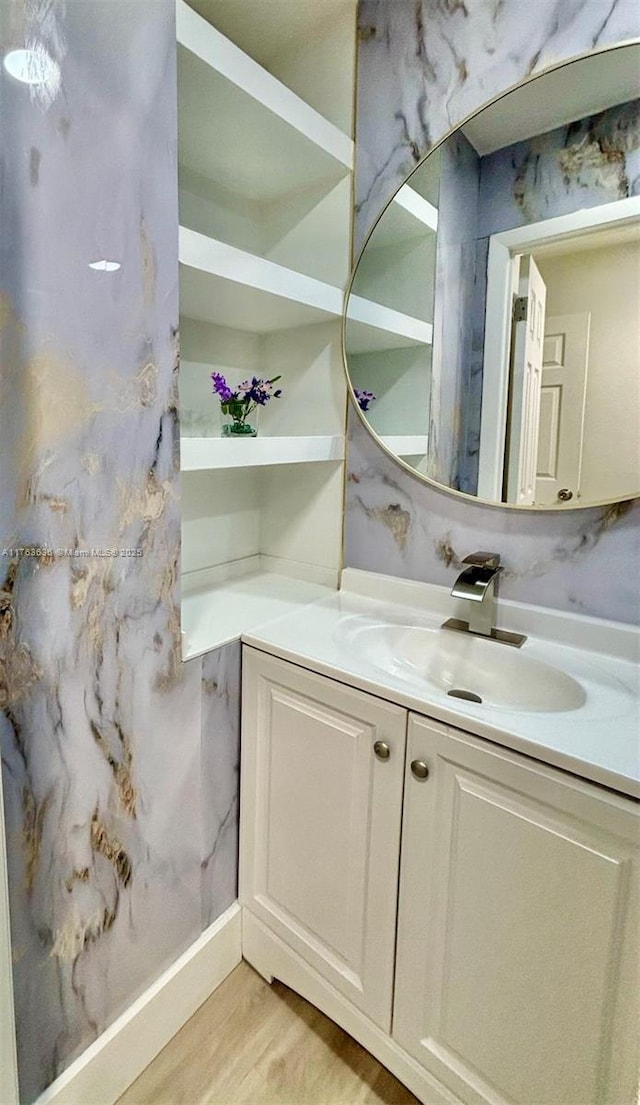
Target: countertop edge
583 769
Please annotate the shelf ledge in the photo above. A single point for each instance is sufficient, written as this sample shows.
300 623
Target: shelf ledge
405 445
374 327
201 453
209 260
415 205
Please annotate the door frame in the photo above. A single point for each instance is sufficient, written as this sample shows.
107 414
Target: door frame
8 1056
524 407
503 247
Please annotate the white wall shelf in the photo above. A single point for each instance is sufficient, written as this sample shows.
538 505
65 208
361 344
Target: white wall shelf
200 453
215 614
397 266
400 380
228 286
406 445
398 224
262 140
415 204
305 231
408 216
372 328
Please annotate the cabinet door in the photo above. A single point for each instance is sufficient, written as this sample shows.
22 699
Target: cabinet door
517 968
320 837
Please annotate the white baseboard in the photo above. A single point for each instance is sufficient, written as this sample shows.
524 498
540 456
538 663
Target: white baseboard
108 1067
104 1071
273 959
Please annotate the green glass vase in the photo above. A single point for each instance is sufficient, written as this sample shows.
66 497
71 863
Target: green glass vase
239 429
238 424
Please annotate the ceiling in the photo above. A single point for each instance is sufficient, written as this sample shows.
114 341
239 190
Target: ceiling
574 91
268 30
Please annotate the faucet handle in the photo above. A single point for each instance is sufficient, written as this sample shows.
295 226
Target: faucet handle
483 559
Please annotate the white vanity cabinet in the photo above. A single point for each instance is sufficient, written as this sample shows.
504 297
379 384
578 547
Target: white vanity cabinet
320 824
517 964
504 971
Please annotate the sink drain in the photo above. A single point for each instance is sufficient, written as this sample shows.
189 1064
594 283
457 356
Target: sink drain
468 696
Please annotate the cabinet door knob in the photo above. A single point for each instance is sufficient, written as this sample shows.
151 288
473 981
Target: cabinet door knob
419 770
382 750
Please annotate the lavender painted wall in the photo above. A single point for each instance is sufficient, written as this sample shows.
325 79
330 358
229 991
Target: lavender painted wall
422 67
117 780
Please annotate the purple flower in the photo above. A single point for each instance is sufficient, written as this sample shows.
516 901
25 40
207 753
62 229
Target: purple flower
221 387
247 396
364 398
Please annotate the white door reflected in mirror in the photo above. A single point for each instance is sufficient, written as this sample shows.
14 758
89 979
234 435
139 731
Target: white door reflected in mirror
562 402
589 264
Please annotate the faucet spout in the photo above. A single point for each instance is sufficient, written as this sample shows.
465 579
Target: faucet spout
477 583
474 583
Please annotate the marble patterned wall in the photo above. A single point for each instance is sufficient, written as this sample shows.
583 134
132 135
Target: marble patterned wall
454 307
592 161
415 531
220 779
118 771
423 65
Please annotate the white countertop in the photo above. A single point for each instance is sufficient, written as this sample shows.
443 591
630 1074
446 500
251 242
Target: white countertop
215 614
599 740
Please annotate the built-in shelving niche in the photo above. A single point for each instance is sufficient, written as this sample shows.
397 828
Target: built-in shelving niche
265 212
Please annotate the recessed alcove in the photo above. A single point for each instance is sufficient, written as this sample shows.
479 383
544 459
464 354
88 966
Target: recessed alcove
265 214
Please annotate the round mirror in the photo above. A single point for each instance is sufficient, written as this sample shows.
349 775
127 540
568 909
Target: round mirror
491 328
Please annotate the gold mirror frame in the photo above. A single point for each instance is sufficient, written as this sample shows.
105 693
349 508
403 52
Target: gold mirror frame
546 509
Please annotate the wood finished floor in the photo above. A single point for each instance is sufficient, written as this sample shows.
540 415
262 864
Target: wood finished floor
254 1044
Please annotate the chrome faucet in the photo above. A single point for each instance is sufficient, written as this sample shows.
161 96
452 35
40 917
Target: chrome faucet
477 584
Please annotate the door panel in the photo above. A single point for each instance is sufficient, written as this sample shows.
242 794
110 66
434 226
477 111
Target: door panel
562 405
517 943
550 407
321 824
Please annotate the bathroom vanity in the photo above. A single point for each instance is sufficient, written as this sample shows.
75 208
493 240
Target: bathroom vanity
454 883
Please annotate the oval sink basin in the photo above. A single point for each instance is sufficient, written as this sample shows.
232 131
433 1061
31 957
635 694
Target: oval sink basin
468 668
